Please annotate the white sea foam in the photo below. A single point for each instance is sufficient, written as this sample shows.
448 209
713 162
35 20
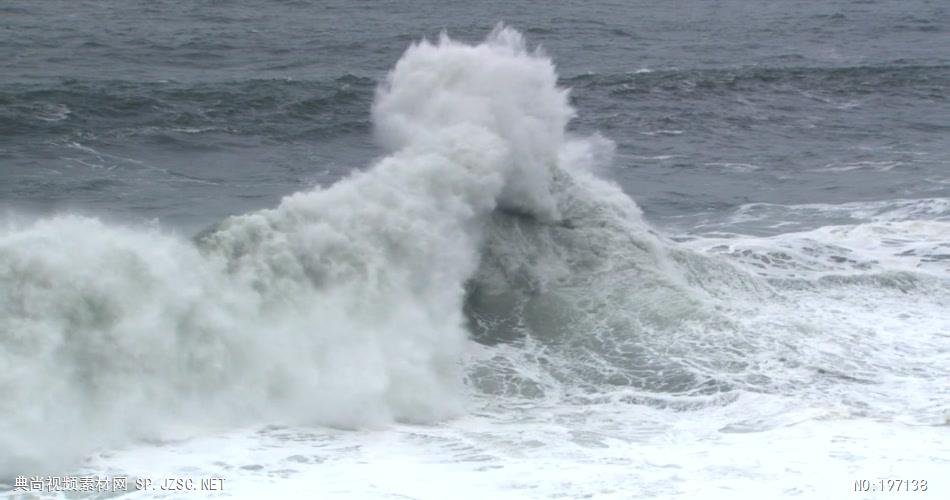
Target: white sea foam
874 247
767 219
606 451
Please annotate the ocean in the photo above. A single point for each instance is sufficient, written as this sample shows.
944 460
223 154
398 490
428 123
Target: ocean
353 249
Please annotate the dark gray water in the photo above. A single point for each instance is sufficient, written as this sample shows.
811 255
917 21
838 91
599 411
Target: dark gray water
188 111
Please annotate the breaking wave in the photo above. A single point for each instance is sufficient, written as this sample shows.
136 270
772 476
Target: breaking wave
357 304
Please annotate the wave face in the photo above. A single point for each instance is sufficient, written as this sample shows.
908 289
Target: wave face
341 306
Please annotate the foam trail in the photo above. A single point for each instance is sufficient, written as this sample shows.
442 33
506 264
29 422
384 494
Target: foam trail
341 306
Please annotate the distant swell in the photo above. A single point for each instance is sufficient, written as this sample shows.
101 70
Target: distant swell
282 109
848 80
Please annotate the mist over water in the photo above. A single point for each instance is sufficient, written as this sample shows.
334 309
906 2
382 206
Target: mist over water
486 289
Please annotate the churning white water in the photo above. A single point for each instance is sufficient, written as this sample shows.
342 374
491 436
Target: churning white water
485 310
